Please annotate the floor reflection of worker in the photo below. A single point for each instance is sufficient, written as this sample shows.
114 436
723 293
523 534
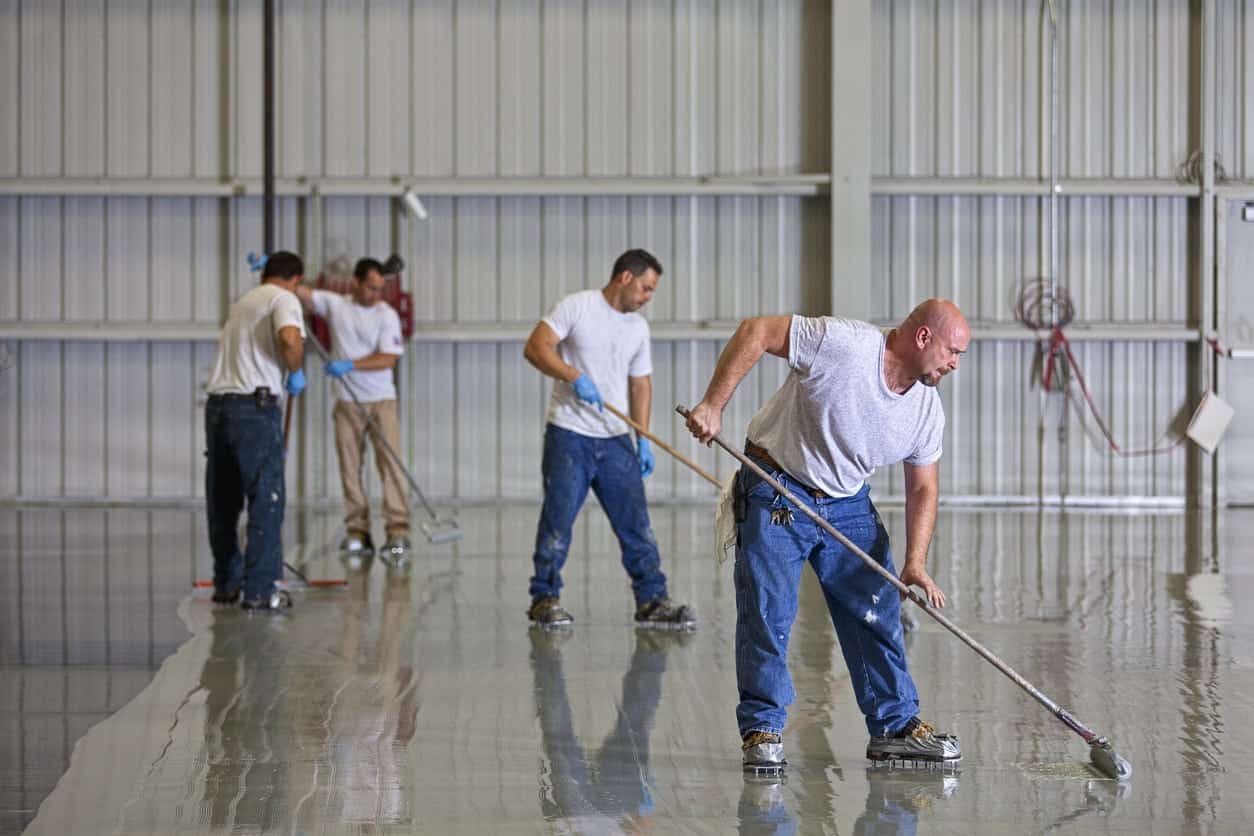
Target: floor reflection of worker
610 794
376 712
247 750
896 800
897 797
763 809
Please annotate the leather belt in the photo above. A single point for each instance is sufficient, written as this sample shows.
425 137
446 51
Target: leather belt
763 455
262 395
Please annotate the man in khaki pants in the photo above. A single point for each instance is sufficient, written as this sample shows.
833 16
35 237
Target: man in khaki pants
366 343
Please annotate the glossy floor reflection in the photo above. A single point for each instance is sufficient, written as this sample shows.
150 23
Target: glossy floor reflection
425 704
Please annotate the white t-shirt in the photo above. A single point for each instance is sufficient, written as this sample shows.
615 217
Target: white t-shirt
834 421
357 332
248 350
608 346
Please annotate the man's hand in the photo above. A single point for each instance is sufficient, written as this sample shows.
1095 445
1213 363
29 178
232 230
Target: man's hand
339 368
705 422
588 392
918 576
645 451
295 382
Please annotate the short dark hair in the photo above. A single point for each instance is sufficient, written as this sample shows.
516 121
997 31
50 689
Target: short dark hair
366 265
282 265
637 262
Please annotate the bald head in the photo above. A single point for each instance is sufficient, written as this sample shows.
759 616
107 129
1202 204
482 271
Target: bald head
929 342
940 315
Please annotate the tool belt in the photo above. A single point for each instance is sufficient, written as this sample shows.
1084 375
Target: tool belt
262 395
763 455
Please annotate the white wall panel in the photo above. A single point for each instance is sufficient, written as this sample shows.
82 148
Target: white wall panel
10 429
10 87
210 91
39 48
128 88
170 30
84 77
40 248
344 60
39 430
85 452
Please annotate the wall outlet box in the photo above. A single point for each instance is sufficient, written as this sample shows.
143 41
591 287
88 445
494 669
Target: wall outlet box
1209 421
1247 213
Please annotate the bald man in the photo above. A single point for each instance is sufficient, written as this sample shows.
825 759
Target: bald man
857 399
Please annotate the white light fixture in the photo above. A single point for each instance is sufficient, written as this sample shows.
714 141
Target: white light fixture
413 203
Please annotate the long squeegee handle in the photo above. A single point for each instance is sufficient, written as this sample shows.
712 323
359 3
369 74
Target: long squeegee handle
378 433
660 443
1062 714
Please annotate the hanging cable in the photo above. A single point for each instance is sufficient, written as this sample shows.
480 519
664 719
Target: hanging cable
1032 307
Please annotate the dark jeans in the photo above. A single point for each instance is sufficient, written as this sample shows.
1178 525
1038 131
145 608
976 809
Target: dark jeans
244 439
573 463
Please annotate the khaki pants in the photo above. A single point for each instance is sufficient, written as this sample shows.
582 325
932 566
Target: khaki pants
350 442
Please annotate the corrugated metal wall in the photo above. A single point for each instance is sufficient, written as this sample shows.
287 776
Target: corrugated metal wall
381 89
665 89
965 92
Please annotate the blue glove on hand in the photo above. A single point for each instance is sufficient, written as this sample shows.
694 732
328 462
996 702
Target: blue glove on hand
588 392
339 368
255 262
645 452
296 382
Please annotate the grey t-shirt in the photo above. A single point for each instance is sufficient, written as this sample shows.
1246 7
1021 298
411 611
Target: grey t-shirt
834 421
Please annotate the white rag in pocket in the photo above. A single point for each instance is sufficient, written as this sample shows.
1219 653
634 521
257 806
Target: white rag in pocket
725 520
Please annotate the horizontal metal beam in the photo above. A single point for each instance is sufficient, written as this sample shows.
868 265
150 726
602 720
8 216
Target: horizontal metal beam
1236 189
499 332
1011 187
1113 504
800 185
111 332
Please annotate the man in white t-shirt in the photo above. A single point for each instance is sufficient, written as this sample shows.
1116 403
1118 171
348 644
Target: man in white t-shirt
595 345
263 337
366 342
856 400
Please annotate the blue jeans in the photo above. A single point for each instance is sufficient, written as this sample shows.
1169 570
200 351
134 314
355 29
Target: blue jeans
865 608
572 464
244 440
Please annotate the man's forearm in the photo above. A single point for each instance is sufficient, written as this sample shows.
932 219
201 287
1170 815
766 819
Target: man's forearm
379 361
293 355
640 395
740 354
920 523
550 363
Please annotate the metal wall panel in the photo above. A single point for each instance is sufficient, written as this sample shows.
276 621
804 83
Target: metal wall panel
1234 130
965 90
127 88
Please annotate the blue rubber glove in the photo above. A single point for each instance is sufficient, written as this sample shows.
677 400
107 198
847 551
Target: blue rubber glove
588 392
296 382
339 368
255 262
645 452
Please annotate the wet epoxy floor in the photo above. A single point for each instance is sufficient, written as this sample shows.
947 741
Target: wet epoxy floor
425 704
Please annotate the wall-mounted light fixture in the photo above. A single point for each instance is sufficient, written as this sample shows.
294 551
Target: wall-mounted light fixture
413 203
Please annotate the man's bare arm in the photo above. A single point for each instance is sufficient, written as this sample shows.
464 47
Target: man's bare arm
541 352
640 399
291 347
922 496
754 337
